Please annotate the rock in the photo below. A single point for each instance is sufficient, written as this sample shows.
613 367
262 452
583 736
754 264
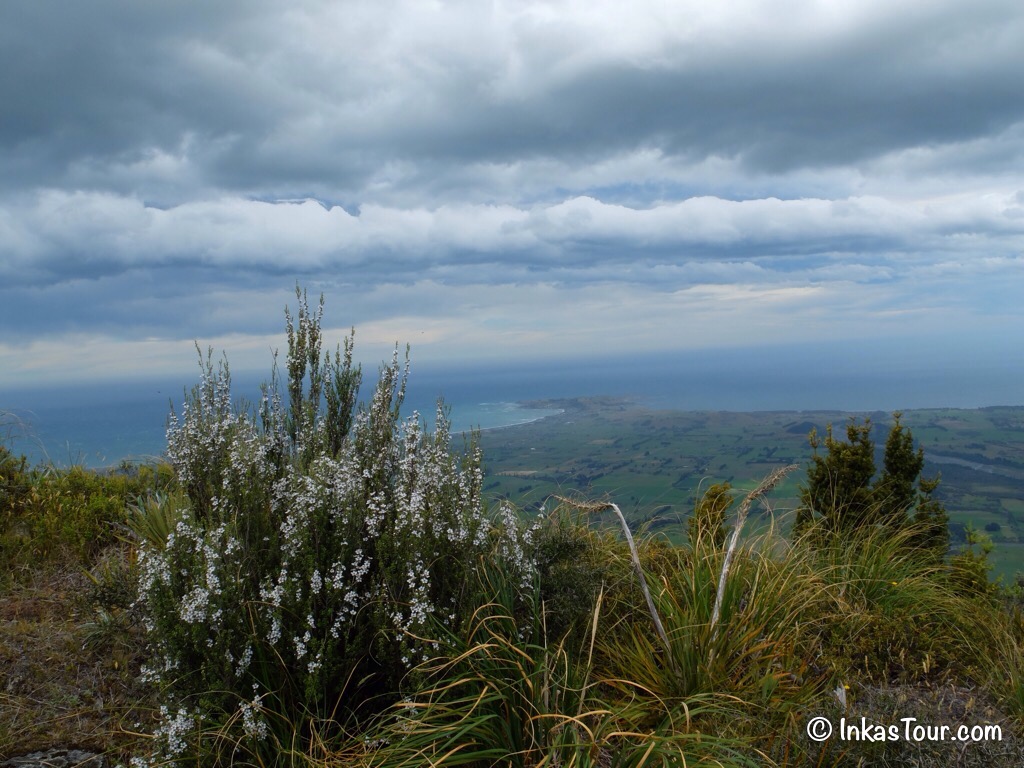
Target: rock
57 758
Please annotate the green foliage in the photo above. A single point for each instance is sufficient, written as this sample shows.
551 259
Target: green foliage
751 656
322 394
14 481
295 594
970 567
843 495
153 519
893 615
551 657
113 581
573 569
15 487
68 515
838 483
707 525
894 491
1006 650
931 521
509 694
502 694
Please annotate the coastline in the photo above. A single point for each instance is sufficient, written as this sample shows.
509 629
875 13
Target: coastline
533 420
106 435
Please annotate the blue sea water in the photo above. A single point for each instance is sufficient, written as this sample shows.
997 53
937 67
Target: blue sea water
102 424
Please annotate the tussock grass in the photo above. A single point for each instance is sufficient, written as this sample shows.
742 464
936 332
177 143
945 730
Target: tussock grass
892 616
509 695
750 667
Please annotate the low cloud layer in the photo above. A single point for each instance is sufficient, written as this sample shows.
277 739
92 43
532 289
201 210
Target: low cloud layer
496 179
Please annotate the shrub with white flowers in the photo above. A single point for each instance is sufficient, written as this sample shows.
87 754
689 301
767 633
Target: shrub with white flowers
319 541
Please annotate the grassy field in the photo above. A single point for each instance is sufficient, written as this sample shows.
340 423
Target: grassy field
654 463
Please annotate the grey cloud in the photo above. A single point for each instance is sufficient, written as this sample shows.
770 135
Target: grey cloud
117 266
262 102
168 169
179 303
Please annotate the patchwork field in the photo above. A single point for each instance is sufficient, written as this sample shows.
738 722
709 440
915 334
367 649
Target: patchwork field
654 463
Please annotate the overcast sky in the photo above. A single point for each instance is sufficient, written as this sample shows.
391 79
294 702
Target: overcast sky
507 179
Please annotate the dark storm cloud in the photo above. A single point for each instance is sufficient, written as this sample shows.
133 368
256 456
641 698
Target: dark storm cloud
168 170
255 110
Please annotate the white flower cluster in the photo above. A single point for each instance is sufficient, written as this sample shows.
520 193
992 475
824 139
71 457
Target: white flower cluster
174 729
513 545
284 550
253 722
218 451
201 433
153 570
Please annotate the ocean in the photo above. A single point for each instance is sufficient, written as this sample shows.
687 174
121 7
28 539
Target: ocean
103 424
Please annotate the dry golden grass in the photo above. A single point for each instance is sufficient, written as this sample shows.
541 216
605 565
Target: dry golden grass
56 689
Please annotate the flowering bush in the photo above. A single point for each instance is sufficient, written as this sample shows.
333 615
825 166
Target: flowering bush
317 544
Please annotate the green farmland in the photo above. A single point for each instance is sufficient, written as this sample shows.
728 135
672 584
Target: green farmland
654 463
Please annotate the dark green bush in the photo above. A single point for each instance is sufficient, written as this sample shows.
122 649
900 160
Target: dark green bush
573 569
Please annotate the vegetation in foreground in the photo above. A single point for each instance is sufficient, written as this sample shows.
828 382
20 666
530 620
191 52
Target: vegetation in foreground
312 582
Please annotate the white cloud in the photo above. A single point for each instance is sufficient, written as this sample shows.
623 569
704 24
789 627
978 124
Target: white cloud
80 234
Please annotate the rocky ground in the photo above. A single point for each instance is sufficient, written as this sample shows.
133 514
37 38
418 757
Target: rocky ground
57 758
